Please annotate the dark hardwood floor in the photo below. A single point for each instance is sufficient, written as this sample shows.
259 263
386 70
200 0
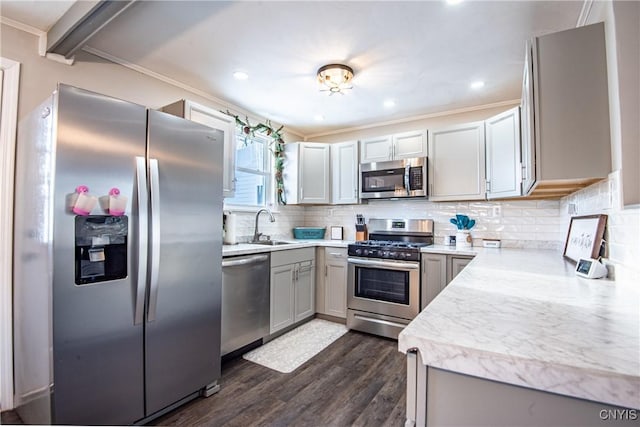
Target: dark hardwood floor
10 417
358 380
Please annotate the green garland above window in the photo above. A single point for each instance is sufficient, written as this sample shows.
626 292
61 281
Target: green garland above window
276 147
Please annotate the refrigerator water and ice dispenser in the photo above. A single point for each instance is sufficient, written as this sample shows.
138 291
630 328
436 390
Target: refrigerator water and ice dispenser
100 248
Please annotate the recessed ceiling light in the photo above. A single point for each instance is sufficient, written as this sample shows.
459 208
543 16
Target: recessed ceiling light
389 103
477 85
240 75
452 2
318 117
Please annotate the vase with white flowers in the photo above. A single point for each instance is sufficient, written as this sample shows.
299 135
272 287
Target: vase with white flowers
463 236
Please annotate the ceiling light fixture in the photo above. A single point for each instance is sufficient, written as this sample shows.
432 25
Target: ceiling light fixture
452 2
335 78
477 85
389 103
318 117
240 75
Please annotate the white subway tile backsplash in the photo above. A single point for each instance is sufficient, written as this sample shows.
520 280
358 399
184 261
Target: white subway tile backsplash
540 212
523 223
549 204
551 220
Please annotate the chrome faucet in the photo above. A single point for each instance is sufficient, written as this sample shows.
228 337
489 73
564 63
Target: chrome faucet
256 235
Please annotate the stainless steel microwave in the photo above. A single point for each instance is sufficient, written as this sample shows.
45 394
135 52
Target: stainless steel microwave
396 178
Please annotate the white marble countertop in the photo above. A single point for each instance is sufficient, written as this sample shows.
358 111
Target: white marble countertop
249 248
523 317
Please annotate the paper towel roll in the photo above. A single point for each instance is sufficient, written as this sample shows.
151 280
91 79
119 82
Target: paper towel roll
230 229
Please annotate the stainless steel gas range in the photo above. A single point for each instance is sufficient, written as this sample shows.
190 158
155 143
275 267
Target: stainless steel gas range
383 288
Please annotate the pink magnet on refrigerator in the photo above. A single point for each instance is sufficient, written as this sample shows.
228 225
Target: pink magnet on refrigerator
84 202
117 202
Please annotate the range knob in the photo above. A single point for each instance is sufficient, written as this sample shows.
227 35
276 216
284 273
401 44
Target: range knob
358 251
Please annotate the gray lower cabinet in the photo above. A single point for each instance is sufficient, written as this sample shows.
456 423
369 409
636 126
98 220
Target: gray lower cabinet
292 287
436 397
437 271
455 265
331 284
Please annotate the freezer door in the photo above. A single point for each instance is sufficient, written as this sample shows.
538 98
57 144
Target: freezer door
97 345
182 332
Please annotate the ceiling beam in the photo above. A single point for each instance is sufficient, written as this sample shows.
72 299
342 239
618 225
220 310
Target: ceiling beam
80 23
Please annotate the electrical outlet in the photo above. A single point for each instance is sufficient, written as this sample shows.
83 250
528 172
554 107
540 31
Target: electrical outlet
497 211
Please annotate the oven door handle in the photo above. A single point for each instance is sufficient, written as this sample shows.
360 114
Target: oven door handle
383 264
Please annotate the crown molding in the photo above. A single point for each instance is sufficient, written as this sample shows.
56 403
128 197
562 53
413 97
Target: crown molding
584 13
22 27
176 83
420 117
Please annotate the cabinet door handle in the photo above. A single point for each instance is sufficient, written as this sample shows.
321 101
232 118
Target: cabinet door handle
326 270
390 152
305 269
488 187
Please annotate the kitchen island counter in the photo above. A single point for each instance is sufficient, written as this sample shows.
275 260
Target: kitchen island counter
522 317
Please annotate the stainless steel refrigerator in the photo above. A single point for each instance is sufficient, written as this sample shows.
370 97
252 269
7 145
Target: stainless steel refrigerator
117 313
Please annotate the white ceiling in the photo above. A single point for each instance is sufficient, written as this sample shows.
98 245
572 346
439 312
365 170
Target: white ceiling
421 54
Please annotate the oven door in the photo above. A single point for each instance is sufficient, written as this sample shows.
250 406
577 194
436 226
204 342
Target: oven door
385 287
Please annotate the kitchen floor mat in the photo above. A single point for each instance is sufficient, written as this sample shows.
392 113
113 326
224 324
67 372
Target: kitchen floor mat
289 351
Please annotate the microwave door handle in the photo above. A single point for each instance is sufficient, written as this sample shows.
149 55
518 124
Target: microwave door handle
406 179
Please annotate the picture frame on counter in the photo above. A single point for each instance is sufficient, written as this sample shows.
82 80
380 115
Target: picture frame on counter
585 237
336 233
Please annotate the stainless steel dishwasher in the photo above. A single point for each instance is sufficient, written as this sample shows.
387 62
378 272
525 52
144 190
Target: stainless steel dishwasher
245 300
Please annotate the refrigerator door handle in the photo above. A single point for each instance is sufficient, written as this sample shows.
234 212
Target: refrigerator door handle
155 239
143 229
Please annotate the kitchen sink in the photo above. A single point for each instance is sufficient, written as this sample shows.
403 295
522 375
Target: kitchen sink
272 243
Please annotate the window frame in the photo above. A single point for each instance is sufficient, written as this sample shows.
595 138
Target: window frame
268 173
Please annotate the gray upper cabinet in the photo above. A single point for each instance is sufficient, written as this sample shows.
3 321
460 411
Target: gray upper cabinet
306 173
404 145
457 162
566 111
344 172
503 167
376 149
527 143
217 120
408 145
